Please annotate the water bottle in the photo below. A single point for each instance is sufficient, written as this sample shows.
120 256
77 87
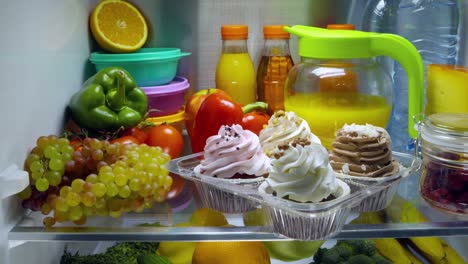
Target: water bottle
432 26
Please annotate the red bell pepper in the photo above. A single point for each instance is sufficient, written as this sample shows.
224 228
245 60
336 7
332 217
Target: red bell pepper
216 110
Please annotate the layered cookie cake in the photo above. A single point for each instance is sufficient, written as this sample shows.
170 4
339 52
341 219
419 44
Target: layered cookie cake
363 151
232 156
362 156
303 180
284 127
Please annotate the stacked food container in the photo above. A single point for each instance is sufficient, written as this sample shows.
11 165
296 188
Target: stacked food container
154 70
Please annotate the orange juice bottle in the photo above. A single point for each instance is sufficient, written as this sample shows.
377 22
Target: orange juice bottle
274 66
235 73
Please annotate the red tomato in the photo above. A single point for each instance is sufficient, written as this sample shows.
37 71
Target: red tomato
178 184
254 121
166 137
137 133
125 140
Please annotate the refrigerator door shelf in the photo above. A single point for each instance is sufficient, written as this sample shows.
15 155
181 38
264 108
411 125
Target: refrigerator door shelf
12 181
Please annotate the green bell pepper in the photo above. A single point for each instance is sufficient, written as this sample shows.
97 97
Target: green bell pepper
109 100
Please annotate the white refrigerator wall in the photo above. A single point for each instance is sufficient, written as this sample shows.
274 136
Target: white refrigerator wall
44 47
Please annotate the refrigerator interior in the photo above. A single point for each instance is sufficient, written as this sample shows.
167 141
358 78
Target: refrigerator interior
44 51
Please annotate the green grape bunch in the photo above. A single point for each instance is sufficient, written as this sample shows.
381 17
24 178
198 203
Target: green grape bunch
99 178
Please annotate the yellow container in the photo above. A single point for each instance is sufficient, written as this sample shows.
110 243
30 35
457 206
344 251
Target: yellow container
176 120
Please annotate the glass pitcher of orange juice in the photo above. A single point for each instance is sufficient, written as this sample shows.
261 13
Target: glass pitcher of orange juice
339 81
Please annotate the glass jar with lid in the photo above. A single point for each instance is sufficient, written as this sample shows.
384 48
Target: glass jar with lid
444 151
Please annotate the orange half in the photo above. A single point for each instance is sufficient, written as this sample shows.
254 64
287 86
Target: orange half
118 26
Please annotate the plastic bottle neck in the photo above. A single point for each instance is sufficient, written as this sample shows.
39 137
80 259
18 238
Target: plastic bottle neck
234 46
276 47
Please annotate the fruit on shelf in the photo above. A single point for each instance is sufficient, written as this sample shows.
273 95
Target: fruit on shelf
167 137
402 211
118 26
282 250
181 252
248 252
99 178
451 255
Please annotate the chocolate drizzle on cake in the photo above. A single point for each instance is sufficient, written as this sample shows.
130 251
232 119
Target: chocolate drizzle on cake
364 155
279 151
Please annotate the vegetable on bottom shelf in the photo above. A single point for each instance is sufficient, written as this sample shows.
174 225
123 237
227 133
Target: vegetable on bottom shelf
120 253
351 252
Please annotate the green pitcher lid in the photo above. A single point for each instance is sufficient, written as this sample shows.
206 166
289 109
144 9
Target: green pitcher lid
320 43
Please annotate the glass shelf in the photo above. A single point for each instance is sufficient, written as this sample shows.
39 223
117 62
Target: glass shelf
126 228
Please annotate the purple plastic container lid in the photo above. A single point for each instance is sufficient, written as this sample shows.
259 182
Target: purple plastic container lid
176 85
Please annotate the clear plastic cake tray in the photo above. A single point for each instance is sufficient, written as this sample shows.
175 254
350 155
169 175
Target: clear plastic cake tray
303 221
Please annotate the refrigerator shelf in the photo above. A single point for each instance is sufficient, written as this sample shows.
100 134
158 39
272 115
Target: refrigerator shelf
126 228
350 231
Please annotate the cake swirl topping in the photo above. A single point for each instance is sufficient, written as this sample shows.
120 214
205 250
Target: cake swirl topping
301 172
234 151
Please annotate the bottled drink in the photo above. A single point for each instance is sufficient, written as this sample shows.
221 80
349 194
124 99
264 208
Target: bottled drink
235 73
274 66
432 26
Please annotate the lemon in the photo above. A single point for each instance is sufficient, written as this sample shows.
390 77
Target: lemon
118 26
208 217
181 252
250 252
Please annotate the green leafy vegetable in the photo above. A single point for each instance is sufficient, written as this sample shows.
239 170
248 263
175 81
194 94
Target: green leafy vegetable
120 253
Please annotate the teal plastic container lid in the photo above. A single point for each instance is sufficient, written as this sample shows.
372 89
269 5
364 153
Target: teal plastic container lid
143 54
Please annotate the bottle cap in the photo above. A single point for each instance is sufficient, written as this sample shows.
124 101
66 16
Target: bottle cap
341 26
275 32
234 31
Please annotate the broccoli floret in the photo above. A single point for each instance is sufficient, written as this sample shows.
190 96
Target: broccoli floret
332 256
360 259
344 250
120 253
380 260
318 255
366 247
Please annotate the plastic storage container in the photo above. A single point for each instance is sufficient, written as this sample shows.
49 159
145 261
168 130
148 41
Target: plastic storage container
166 99
176 120
432 26
444 150
305 221
148 66
381 199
